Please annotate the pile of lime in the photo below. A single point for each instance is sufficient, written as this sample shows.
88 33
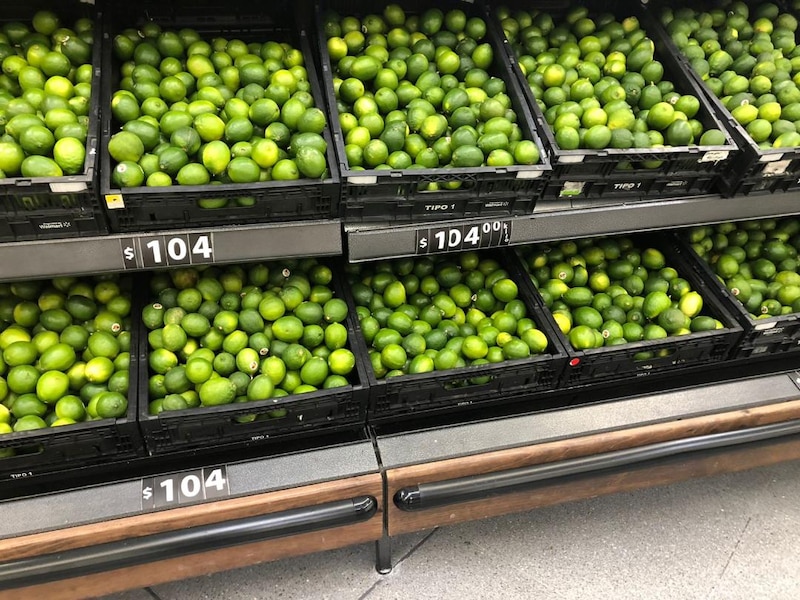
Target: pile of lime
45 92
65 348
609 291
749 59
244 334
599 85
756 260
194 112
435 314
416 92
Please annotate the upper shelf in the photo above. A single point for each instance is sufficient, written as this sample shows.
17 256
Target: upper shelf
550 221
103 254
563 220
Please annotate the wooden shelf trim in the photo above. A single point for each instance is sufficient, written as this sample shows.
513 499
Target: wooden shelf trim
191 516
173 569
502 460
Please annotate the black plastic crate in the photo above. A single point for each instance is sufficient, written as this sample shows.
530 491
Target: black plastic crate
398 195
763 336
753 169
410 396
652 358
38 208
82 444
147 208
636 173
316 413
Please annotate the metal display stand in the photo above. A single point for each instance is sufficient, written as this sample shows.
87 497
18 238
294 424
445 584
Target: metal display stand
116 534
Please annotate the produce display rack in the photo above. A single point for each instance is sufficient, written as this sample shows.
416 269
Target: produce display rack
130 522
521 455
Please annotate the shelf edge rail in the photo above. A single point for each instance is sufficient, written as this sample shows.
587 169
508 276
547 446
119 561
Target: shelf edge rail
147 549
432 495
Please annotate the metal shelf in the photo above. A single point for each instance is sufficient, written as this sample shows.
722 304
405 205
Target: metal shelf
136 251
550 221
131 533
490 435
574 218
118 499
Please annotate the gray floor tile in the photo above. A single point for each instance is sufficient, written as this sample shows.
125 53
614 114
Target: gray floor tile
337 574
727 537
765 563
626 546
131 595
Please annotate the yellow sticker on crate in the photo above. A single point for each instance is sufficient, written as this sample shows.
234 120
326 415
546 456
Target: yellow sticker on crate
114 201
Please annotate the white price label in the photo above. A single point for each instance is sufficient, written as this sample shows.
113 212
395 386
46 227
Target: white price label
777 167
714 156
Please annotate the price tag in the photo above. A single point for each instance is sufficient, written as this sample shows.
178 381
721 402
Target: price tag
152 251
714 156
777 167
571 188
186 487
155 251
201 248
488 234
128 247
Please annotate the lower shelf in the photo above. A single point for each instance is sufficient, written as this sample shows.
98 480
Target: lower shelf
485 469
111 537
279 507
591 485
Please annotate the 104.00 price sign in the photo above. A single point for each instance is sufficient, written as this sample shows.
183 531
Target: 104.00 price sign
456 238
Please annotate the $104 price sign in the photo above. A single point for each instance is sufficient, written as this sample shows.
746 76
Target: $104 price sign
186 487
154 251
456 238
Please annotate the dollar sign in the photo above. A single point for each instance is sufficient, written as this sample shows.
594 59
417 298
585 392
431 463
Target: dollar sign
423 243
147 493
128 253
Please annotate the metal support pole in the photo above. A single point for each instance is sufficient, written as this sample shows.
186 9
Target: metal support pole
383 555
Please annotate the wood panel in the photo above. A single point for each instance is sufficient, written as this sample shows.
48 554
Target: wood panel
405 522
174 569
192 516
733 460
